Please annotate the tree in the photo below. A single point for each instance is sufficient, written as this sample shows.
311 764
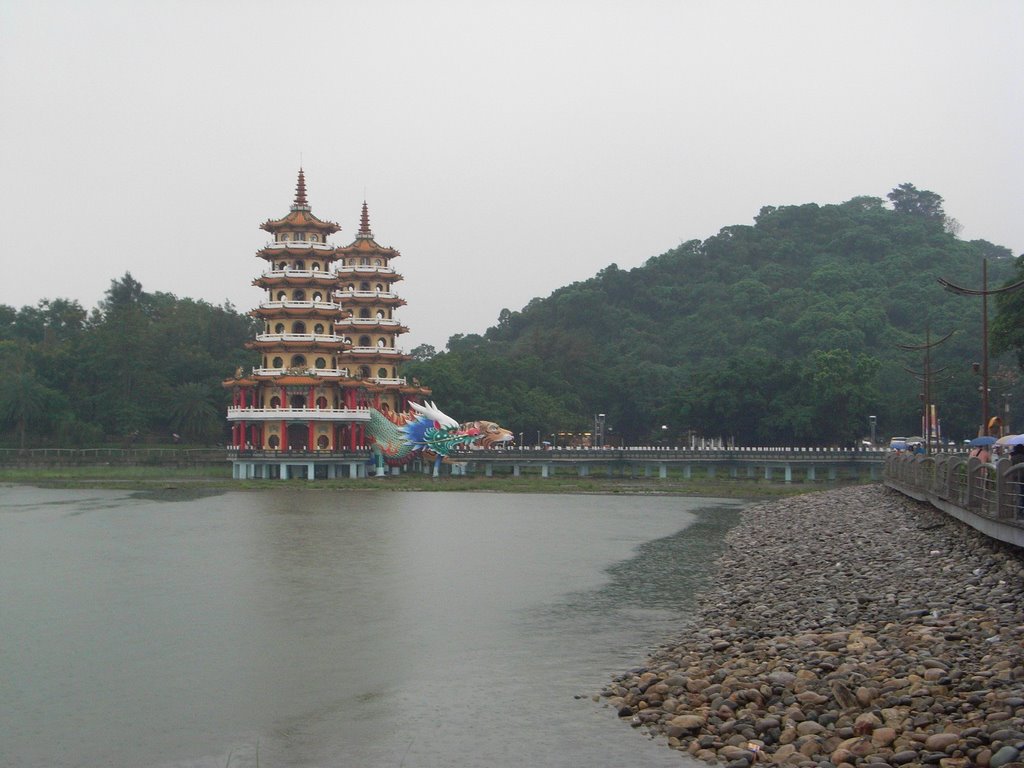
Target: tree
908 199
194 411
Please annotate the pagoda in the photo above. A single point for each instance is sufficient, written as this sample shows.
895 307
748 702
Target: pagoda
329 351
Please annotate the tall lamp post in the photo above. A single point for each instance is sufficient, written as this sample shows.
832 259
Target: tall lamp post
927 377
984 292
599 430
873 421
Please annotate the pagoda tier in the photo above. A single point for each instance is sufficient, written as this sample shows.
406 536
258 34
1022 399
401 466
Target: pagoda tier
355 325
274 278
297 341
367 272
322 309
349 297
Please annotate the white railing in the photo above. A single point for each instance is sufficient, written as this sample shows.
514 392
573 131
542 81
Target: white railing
306 337
301 414
393 382
332 373
375 351
330 305
345 293
299 244
305 274
365 268
366 321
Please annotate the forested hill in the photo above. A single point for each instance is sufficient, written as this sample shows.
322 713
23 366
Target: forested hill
787 331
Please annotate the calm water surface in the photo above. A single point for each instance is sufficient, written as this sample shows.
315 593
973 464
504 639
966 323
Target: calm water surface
335 628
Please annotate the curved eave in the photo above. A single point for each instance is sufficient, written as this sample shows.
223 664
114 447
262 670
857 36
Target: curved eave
355 330
300 220
363 357
323 283
243 382
292 346
367 248
373 300
358 274
293 312
323 254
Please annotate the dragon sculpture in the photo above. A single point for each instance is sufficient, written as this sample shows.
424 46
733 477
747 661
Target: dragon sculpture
427 432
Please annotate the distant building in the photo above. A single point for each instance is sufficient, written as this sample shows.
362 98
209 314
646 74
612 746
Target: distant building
328 350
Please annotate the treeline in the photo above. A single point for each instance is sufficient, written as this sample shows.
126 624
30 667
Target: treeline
138 367
793 330
789 331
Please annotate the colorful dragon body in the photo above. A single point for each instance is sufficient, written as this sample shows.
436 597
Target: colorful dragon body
429 431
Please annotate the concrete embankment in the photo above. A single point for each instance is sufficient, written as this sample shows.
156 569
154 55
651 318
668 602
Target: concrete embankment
849 627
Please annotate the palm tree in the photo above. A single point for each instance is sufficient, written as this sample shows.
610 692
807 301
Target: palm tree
194 411
23 400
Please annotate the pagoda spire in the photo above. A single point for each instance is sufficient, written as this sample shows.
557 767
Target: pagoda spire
300 204
364 224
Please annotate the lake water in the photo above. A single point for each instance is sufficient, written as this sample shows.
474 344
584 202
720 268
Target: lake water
336 628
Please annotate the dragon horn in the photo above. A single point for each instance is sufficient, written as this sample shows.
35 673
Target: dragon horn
431 411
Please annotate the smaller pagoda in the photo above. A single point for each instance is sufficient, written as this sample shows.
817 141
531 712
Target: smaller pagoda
328 347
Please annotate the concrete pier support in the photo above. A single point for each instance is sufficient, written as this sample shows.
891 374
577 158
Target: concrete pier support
789 473
488 471
584 470
545 470
687 472
767 472
810 473
662 471
516 470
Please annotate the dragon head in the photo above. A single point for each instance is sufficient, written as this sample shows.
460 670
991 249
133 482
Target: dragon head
486 433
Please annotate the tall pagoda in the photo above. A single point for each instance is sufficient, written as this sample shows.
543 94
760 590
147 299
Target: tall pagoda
328 347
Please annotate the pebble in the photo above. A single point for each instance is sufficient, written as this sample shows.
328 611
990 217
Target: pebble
848 627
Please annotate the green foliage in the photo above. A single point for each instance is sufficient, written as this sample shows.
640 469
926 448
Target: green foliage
138 367
786 331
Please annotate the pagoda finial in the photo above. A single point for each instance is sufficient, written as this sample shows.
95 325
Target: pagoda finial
300 204
364 222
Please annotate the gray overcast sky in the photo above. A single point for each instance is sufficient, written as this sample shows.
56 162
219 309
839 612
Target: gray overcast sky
505 148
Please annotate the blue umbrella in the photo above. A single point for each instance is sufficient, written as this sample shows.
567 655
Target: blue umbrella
897 445
980 441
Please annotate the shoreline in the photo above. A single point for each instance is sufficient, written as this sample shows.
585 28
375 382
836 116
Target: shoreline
849 627
157 478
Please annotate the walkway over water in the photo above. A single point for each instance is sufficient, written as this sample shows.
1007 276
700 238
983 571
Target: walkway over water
985 496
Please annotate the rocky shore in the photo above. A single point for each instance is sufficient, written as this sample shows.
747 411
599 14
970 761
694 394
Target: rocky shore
844 628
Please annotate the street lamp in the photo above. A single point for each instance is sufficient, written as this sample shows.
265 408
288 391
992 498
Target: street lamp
984 293
599 430
872 420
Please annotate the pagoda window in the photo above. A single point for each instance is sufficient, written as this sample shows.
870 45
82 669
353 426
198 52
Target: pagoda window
298 295
321 402
344 371
380 314
314 238
298 361
318 296
382 373
273 442
364 312
364 286
282 296
275 402
297 401
298 327
278 362
322 442
365 261
316 266
300 264
284 237
318 328
376 262
364 371
351 286
379 287
321 362
279 328
299 236
283 265
381 344
364 341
